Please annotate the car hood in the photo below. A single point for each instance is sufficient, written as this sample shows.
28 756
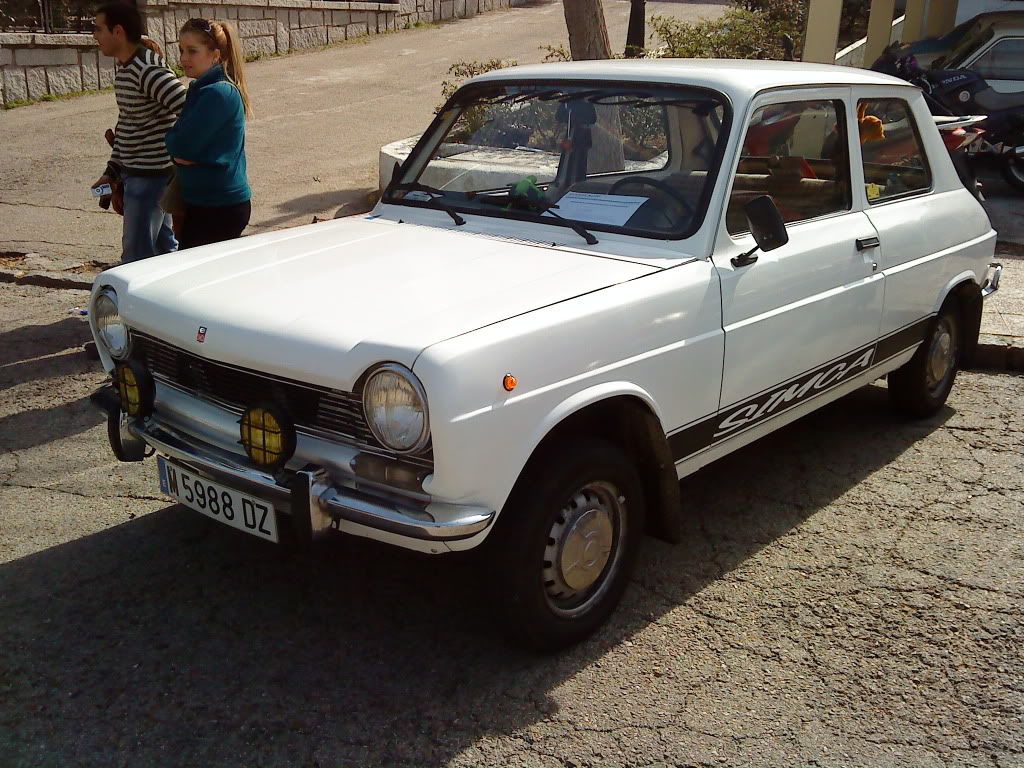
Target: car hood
324 302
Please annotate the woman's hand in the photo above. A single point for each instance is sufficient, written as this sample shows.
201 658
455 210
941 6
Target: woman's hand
179 161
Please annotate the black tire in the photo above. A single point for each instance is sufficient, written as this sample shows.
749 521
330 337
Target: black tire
919 388
1013 172
544 523
968 176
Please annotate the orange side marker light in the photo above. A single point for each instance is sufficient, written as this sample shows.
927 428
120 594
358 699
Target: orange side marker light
510 382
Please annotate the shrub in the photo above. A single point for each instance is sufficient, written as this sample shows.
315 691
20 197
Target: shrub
754 29
464 70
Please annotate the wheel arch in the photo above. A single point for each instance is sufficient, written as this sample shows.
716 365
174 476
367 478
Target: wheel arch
627 416
964 293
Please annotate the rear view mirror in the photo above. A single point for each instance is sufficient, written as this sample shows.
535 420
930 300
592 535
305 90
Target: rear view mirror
766 224
767 227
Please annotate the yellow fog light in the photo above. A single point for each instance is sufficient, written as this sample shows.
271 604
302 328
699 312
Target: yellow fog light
267 436
134 389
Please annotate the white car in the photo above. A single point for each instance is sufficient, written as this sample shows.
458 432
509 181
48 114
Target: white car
587 281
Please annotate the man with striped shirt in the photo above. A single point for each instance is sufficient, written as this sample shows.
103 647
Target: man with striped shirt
149 99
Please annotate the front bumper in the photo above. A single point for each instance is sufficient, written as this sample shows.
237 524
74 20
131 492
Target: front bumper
312 500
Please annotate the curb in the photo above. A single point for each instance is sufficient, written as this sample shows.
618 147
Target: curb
1010 248
999 353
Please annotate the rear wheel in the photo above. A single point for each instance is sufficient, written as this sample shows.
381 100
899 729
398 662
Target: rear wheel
567 543
1013 172
968 176
920 387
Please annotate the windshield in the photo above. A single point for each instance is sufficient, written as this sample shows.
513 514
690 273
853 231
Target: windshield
593 156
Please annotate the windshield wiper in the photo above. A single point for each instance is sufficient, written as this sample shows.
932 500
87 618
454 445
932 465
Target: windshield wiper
434 201
538 208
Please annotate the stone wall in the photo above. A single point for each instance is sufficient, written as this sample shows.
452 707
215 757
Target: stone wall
35 65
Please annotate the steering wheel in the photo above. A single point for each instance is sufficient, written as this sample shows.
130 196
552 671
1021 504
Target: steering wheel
659 185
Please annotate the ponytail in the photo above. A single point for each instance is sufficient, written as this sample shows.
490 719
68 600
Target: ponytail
231 56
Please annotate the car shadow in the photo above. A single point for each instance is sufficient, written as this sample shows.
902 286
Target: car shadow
346 202
30 352
173 635
30 342
39 426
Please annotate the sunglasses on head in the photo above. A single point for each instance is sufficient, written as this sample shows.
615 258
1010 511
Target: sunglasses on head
201 25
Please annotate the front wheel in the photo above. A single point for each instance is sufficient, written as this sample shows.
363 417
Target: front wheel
919 388
567 542
1013 172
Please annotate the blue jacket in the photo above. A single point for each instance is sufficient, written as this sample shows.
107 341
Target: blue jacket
211 133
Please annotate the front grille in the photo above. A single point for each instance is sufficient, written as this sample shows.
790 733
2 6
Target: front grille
316 410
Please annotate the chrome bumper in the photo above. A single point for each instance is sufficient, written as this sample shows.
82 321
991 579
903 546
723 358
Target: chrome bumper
991 283
314 503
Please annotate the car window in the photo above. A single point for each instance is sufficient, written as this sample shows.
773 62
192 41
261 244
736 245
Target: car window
626 157
506 142
797 153
894 159
1003 61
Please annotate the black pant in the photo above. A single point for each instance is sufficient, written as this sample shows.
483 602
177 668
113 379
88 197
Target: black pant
204 224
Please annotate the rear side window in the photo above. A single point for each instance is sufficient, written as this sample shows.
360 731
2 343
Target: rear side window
891 149
796 152
1003 61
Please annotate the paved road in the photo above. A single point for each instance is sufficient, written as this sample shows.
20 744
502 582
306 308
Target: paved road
312 147
849 593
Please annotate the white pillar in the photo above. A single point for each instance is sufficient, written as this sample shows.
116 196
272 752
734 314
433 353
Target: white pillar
913 22
879 29
941 16
822 37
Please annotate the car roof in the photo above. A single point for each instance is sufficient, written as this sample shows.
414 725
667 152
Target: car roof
998 18
740 79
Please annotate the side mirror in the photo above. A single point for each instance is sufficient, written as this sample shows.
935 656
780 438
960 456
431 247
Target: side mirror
767 227
766 224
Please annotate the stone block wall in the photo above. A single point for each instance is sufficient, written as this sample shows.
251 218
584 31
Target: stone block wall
34 65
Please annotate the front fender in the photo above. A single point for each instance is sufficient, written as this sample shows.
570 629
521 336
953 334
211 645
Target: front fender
587 397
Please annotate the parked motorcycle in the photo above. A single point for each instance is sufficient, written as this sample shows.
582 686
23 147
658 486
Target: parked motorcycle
966 94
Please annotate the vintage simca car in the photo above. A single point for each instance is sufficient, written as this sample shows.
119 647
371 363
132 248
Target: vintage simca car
587 281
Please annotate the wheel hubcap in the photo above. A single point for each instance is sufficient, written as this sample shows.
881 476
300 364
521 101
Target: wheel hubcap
582 551
941 356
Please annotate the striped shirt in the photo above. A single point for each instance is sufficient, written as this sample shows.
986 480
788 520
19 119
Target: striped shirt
149 99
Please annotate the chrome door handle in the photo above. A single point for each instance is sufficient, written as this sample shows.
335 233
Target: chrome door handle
863 243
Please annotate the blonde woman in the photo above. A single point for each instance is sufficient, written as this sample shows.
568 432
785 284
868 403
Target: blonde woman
207 144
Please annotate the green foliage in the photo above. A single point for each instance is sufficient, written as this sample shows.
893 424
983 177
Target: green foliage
754 29
461 71
556 53
472 120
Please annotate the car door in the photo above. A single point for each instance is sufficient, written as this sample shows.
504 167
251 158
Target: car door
803 317
929 226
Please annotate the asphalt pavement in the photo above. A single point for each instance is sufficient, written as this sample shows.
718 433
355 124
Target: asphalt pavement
848 593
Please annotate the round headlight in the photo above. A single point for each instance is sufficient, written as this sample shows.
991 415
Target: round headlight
113 332
395 406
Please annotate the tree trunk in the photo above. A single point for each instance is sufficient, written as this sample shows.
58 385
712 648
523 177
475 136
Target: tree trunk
588 39
635 30
588 33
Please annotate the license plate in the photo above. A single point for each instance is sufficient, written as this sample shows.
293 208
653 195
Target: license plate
239 510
